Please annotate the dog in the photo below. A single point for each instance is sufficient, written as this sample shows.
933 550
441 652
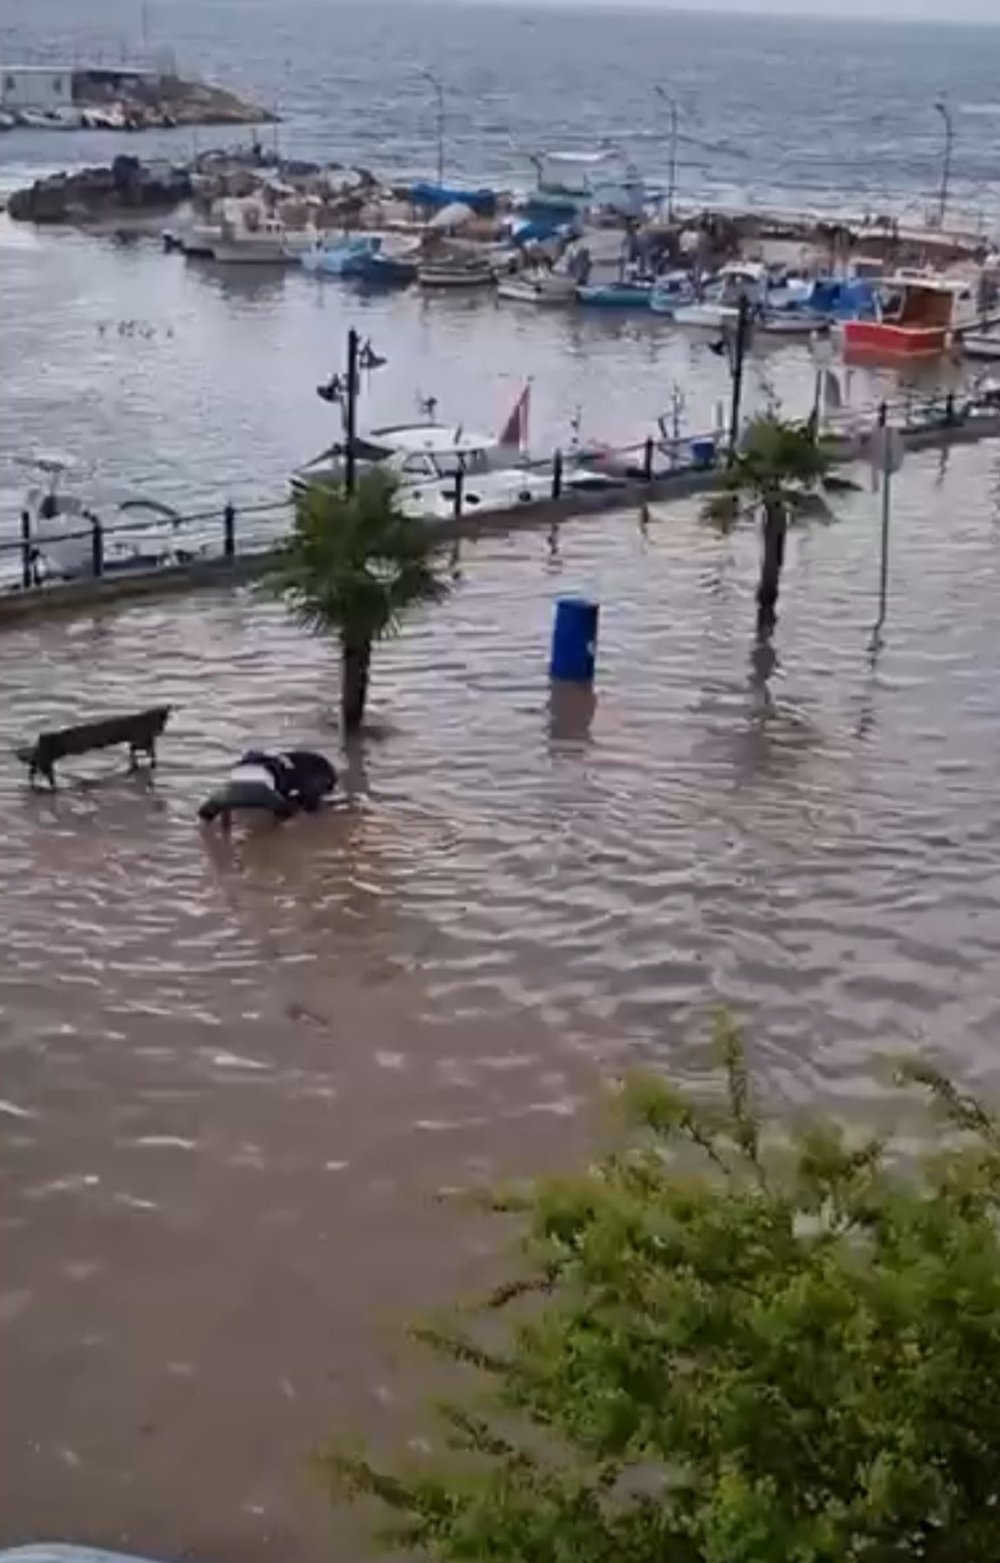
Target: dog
280 783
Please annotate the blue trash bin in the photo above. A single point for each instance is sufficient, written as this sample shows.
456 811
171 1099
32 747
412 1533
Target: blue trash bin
703 454
574 640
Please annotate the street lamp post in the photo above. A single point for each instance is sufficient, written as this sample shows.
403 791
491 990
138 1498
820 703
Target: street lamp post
949 141
439 94
343 389
672 171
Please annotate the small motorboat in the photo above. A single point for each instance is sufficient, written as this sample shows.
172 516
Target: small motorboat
671 292
456 273
384 268
339 257
790 322
544 287
980 346
740 282
629 293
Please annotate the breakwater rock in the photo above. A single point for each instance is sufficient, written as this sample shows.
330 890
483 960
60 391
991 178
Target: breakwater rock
90 194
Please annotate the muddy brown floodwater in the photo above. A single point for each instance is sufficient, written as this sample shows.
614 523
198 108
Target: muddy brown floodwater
234 1076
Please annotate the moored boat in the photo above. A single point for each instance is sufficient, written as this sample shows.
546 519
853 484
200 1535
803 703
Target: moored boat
671 292
739 282
461 272
918 318
549 287
626 294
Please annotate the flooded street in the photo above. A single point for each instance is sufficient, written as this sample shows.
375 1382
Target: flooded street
234 1076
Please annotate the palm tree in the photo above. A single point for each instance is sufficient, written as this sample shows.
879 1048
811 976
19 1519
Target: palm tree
353 566
782 472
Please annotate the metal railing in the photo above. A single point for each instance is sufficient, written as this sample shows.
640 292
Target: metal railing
224 531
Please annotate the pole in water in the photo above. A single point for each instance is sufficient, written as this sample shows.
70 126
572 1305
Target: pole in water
885 463
742 332
26 560
574 640
351 410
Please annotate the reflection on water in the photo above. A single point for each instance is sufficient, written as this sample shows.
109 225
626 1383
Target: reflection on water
234 1070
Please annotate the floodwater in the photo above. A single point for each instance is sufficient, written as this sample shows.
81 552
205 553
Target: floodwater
234 1076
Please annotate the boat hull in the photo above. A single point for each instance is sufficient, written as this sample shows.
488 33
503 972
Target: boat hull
710 317
881 339
458 279
535 293
613 297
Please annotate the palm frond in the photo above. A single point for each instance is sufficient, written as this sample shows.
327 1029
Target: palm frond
355 562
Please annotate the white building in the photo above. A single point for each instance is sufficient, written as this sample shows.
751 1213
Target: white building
36 86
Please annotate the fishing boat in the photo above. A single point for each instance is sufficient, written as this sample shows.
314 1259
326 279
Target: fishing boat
739 282
671 292
339 256
919 316
456 272
627 293
544 287
249 234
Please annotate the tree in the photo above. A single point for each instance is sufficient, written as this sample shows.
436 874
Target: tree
758 1350
354 565
782 471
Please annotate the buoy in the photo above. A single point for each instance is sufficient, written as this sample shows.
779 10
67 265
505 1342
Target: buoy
574 640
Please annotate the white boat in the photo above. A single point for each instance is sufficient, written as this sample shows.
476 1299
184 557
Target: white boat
739 281
671 292
427 458
249 234
456 273
62 521
543 287
981 346
788 322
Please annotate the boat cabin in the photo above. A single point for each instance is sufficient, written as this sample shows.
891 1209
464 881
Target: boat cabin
921 302
425 452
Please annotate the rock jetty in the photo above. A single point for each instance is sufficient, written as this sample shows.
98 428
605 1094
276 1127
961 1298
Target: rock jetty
94 194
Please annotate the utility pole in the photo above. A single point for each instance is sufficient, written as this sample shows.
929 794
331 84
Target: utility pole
949 141
672 165
439 93
351 411
738 355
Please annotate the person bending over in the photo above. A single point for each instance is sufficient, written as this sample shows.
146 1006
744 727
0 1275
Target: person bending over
277 782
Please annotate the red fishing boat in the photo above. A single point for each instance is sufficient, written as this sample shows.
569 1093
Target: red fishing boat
918 318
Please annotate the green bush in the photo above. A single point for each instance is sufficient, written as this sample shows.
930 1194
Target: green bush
755 1350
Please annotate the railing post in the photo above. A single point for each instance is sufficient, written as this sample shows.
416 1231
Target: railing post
229 531
97 546
459 493
557 474
647 460
26 570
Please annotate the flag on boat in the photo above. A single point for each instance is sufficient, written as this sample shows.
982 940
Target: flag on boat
514 435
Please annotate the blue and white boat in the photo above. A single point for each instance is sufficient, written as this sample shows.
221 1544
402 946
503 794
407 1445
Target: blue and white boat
340 257
627 293
671 292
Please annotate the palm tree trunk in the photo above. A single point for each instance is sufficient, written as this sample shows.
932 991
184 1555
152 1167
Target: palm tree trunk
356 657
774 531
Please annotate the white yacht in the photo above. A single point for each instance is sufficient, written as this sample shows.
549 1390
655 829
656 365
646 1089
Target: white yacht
427 458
